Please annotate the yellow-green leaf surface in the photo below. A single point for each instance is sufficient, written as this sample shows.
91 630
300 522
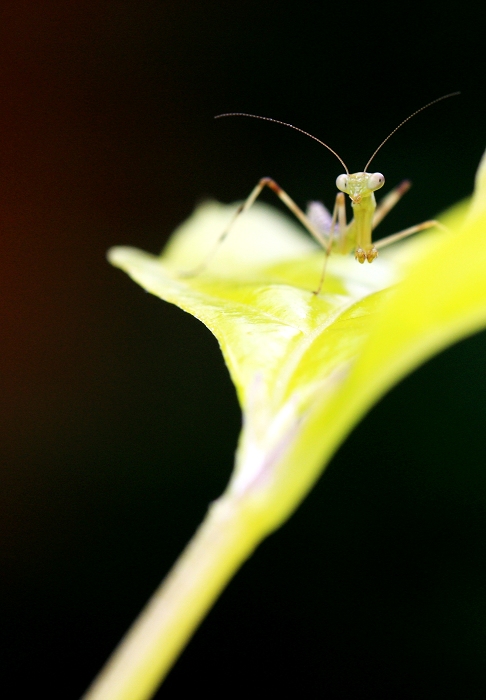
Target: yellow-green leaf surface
297 359
306 368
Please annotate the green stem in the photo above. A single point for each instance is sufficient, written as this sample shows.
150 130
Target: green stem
225 539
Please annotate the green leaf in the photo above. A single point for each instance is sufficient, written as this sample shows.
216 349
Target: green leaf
299 360
306 368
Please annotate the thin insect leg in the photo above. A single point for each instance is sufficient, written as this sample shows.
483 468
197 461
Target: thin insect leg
295 209
340 205
408 232
339 214
284 197
388 202
243 207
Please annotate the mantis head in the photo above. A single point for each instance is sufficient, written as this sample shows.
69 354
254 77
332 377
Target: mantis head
360 185
357 185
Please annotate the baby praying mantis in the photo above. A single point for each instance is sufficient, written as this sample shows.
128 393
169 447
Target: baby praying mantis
360 187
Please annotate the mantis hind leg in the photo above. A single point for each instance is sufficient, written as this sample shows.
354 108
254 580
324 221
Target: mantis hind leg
386 204
254 194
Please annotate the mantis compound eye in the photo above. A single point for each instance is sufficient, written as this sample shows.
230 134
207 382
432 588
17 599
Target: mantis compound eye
375 181
342 183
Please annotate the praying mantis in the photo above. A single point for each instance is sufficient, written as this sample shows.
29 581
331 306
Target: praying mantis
336 234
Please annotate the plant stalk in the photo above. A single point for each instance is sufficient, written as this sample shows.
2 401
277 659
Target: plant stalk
225 539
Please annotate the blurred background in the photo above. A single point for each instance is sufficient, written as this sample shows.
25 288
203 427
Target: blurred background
118 419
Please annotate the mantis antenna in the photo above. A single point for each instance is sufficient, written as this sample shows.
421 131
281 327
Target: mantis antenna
429 104
360 187
306 133
291 126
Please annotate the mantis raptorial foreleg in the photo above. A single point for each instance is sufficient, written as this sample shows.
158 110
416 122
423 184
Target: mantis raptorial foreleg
360 187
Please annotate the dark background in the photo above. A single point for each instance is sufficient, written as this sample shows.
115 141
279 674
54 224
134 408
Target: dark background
118 419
